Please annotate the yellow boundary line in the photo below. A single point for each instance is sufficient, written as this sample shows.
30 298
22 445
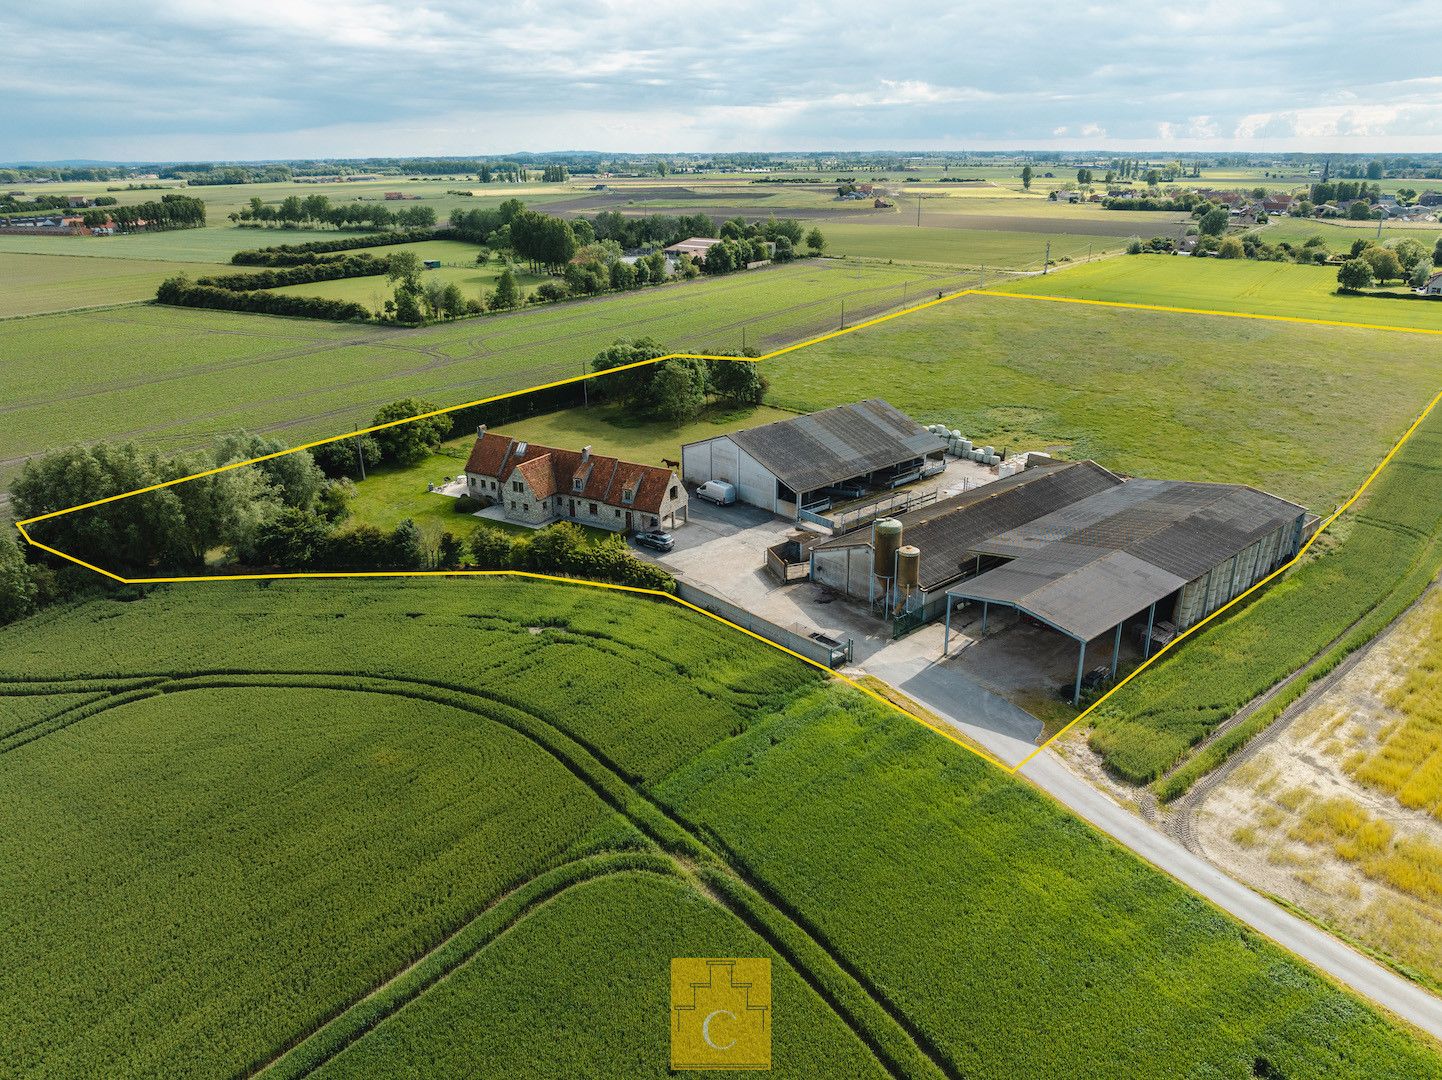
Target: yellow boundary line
944 732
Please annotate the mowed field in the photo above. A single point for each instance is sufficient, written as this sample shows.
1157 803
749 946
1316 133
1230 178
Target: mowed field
172 378
1014 250
35 284
1242 285
421 828
1286 407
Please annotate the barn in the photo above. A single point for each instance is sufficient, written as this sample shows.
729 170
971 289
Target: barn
1074 548
808 463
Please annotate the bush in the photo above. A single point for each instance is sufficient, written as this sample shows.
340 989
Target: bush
467 505
564 550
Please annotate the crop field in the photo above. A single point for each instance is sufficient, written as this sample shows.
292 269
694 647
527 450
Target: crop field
1242 285
1340 235
455 817
1388 550
174 378
1285 407
36 284
1017 250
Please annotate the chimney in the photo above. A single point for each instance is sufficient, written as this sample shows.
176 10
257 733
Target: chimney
480 431
585 453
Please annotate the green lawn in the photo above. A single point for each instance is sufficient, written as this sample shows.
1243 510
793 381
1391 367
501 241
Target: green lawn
174 377
469 814
35 284
964 247
1241 285
1286 407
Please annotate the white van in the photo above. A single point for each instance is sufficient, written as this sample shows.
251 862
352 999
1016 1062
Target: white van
717 491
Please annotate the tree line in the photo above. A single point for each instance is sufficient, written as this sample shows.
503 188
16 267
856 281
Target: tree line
180 291
170 212
332 269
314 250
674 390
316 211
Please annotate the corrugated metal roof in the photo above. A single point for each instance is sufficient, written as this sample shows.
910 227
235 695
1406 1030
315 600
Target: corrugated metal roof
1087 566
947 531
824 448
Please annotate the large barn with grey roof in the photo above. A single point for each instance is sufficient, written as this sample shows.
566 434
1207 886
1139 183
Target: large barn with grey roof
1080 550
809 462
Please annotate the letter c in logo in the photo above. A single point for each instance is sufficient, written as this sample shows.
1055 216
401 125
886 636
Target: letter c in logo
706 1029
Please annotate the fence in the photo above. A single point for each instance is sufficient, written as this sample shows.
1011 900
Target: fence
811 644
898 502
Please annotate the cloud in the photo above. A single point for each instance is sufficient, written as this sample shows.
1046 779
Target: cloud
168 79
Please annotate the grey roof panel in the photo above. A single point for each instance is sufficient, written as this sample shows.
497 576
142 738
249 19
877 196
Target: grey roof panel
824 448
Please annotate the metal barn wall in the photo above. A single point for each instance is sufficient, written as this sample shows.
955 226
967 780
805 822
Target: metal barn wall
721 459
847 570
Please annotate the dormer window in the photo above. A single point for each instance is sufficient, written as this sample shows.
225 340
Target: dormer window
578 483
628 493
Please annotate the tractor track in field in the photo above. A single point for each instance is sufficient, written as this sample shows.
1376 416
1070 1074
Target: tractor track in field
551 739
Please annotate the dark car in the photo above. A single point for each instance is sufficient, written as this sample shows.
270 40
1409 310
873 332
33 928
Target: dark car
656 540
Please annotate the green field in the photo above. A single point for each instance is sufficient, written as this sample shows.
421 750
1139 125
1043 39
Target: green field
36 284
963 247
1388 550
458 266
1285 407
425 828
1340 235
1242 285
174 377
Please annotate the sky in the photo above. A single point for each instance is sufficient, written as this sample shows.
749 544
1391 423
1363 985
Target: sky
158 80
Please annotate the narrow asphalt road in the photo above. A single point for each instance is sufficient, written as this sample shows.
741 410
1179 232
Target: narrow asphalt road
1340 961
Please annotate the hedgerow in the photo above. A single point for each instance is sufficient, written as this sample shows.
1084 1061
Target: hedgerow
348 266
180 292
297 254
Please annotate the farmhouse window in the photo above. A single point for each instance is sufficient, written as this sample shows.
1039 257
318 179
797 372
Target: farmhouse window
516 485
593 508
673 491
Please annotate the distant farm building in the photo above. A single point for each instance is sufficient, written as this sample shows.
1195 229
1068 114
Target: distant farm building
536 485
78 202
1073 547
695 246
806 464
1433 287
394 196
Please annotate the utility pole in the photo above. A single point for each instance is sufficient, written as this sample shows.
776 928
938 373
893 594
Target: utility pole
918 209
743 339
1089 252
843 314
1046 262
585 388
983 275
360 459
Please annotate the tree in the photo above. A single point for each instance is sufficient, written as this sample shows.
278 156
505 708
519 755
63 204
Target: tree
782 251
17 587
679 388
408 307
1354 275
815 241
483 256
293 540
738 382
1231 248
1437 253
491 549
1421 274
409 443
1359 211
452 303
633 387
1409 253
623 276
507 295
293 476
1374 170
1214 222
1026 175
1385 266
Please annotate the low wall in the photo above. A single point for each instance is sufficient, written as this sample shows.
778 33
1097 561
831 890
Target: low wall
828 655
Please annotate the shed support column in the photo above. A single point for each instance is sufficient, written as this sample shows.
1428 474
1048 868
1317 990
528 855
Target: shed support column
984 607
1116 650
1081 656
946 641
1151 618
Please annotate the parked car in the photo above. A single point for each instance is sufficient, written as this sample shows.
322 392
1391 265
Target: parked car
717 491
656 539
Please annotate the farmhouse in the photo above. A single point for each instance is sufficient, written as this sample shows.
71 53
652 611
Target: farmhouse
1433 287
695 246
536 485
792 467
1074 548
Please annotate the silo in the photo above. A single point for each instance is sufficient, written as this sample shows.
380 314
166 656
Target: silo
908 568
885 539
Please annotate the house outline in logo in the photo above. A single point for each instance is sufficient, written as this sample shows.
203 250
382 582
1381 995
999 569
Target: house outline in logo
721 1014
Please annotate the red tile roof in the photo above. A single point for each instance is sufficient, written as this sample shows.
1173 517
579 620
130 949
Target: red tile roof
549 471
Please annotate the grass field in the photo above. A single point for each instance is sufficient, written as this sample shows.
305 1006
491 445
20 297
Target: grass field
458 265
1389 549
36 284
1244 285
1285 407
1340 235
423 828
171 377
962 247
